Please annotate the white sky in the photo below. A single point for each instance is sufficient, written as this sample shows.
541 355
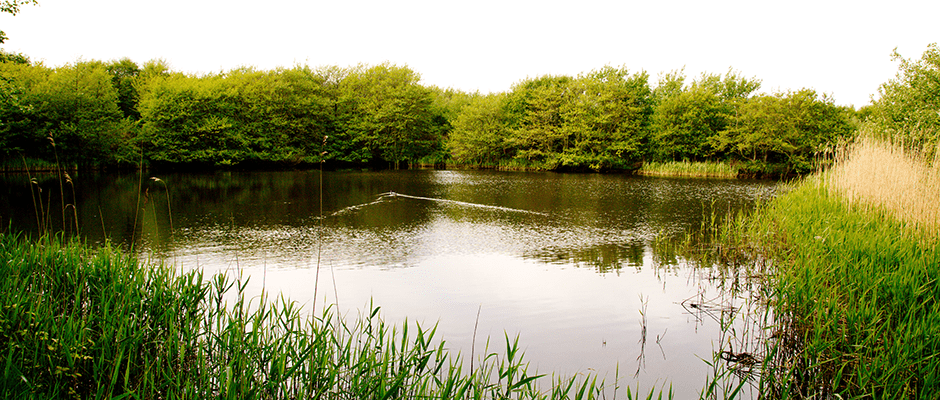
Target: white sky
837 47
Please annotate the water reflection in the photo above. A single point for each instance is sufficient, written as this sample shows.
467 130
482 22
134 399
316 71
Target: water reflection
564 260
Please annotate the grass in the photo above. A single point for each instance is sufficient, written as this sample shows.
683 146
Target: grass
855 282
689 169
89 323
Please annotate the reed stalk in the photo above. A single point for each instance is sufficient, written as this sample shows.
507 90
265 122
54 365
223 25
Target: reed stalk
36 205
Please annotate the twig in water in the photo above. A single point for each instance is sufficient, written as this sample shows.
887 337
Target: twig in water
473 342
659 339
641 359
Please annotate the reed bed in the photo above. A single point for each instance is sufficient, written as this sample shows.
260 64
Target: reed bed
858 300
689 169
847 264
855 286
89 323
879 174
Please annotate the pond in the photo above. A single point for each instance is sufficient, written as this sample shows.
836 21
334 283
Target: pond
565 261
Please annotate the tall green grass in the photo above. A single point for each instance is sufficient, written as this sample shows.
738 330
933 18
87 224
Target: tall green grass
89 323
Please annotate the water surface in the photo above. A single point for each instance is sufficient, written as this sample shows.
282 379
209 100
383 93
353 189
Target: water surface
565 261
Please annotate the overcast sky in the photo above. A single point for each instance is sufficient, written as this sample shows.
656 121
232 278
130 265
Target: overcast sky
842 48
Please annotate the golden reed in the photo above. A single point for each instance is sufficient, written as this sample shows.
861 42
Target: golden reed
875 173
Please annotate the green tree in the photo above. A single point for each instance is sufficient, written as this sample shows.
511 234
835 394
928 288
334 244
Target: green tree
730 87
16 58
74 105
687 120
791 129
597 121
124 74
78 107
14 110
192 120
383 114
685 124
534 116
908 107
606 120
480 131
446 105
669 85
288 113
243 116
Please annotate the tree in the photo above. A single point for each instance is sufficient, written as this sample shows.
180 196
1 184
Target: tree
534 116
78 107
480 131
14 111
788 128
15 58
382 113
607 120
194 120
669 85
286 116
12 7
908 109
685 124
687 120
597 121
73 106
124 73
446 106
731 87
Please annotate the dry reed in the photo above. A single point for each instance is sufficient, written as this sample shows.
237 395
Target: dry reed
882 175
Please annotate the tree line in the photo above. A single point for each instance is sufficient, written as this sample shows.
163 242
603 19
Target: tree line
119 113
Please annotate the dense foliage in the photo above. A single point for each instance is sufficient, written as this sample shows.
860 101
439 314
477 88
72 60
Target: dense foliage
237 117
908 109
70 113
116 113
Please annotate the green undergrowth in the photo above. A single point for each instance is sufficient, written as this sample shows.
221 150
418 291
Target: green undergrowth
77 322
857 310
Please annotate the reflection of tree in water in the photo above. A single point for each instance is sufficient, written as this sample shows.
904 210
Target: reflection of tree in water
603 258
604 222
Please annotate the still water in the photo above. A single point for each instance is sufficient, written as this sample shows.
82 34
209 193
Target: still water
564 261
